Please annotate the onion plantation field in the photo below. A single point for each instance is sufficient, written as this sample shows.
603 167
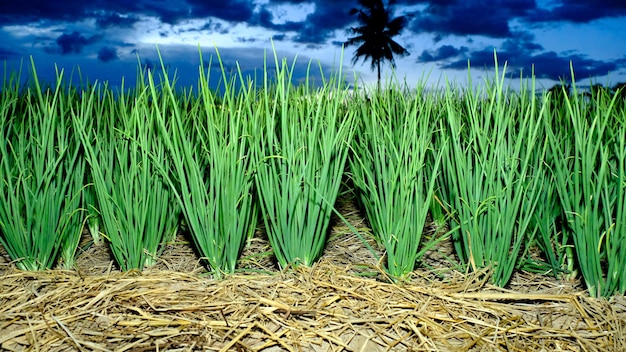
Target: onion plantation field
512 180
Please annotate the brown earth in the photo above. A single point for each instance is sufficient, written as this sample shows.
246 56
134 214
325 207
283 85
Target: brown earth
343 303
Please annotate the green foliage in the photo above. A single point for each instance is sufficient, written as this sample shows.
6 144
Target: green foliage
41 176
589 168
212 163
389 169
302 146
511 171
492 175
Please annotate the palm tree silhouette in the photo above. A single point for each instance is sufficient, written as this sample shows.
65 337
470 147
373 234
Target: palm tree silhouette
375 35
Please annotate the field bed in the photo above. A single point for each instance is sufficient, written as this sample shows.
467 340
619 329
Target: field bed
342 303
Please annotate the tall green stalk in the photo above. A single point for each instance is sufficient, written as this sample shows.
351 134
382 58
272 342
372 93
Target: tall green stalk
103 109
212 165
552 238
491 175
136 205
589 168
389 169
303 145
41 175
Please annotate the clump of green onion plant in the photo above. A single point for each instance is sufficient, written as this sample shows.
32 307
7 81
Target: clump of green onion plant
41 175
552 240
101 124
389 169
93 214
589 166
136 205
490 174
303 142
212 166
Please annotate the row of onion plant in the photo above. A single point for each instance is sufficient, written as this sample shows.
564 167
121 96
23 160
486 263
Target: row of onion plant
41 175
588 154
210 148
304 138
508 170
492 174
391 170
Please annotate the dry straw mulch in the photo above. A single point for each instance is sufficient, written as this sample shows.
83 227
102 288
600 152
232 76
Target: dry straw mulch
326 308
343 303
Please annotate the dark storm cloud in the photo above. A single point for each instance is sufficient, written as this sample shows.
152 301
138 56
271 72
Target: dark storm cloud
7 54
107 54
579 11
36 10
318 26
73 43
328 16
115 20
521 53
522 42
444 52
170 13
266 19
106 12
467 18
245 40
279 37
471 17
439 17
493 19
214 27
229 10
26 11
548 64
123 13
500 19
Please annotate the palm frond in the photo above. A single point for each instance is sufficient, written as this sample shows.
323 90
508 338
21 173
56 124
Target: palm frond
374 36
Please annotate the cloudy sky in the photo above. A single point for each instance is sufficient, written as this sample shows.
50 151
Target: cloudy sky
105 38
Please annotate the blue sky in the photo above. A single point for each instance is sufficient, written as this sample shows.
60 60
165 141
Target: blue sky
105 37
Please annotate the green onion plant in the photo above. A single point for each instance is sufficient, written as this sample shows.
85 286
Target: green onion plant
490 174
389 169
136 205
41 175
304 139
212 165
589 169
